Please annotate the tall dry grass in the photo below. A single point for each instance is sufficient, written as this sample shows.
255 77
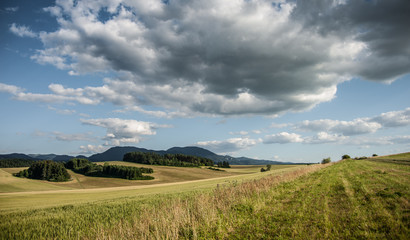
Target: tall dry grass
205 215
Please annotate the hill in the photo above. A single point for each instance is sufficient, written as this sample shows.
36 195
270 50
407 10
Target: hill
117 154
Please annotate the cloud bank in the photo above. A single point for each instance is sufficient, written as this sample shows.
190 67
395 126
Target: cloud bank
222 57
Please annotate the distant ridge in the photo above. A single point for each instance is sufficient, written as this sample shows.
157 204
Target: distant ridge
16 155
117 154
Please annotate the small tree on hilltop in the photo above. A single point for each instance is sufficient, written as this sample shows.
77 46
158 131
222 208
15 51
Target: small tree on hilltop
345 156
326 160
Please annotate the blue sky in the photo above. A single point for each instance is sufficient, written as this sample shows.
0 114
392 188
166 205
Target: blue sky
279 80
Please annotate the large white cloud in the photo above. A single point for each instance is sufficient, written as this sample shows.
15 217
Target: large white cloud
124 130
224 57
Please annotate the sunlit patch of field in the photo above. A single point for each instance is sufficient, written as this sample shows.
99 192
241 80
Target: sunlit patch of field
9 183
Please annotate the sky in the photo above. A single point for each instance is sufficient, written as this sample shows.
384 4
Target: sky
278 80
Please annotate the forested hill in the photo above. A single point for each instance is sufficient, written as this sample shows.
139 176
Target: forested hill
117 154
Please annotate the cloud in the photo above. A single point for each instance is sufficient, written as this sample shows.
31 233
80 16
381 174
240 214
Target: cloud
62 111
358 126
239 133
229 145
22 31
394 118
60 94
10 89
11 9
283 137
59 136
379 25
72 137
226 58
324 137
347 128
90 149
124 130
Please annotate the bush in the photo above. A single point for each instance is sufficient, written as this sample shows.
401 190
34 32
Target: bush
345 156
326 160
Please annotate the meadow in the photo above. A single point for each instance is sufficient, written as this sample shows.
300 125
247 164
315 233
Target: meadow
351 199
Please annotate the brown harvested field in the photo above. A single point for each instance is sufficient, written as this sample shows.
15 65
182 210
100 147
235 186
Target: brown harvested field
162 174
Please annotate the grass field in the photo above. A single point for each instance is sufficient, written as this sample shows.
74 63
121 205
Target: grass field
352 199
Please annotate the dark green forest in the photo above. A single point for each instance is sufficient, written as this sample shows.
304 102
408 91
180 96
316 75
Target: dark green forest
176 160
46 170
15 162
84 166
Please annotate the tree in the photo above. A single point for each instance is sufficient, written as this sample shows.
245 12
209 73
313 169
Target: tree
326 160
268 167
345 156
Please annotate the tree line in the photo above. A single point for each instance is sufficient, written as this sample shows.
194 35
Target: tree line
84 166
177 160
15 162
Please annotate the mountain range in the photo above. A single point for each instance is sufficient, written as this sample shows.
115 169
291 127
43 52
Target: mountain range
117 153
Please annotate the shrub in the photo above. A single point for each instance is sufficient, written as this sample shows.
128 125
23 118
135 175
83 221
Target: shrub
326 160
345 156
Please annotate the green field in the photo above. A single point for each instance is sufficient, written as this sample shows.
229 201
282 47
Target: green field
351 199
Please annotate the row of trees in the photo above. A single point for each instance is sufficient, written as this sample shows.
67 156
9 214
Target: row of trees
46 170
127 172
177 160
84 166
15 162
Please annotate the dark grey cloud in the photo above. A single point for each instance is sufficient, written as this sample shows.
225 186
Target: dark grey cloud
381 24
